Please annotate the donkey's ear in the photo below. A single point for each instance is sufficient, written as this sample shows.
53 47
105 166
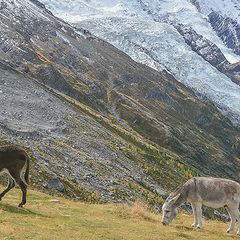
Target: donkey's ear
174 199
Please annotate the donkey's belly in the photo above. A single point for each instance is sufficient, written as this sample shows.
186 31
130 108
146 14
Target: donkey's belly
214 204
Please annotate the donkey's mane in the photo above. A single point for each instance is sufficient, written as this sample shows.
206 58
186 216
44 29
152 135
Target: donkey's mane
175 192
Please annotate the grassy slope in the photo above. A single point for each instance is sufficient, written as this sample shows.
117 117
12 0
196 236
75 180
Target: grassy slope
44 219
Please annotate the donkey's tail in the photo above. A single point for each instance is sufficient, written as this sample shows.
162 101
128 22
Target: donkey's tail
26 175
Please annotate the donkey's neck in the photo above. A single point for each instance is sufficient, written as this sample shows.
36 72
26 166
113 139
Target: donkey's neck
180 201
183 195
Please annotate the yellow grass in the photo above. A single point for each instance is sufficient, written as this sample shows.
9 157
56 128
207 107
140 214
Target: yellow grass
65 219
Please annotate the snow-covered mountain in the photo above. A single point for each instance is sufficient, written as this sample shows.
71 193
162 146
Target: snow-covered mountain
170 11
227 8
144 29
224 17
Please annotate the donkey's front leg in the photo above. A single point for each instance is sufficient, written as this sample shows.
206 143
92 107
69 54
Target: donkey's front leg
195 215
198 207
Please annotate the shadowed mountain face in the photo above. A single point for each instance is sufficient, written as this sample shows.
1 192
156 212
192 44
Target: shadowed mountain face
98 120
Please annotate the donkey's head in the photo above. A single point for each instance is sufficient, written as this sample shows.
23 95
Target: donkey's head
169 210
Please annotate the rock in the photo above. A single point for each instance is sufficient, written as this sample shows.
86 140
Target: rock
227 29
24 69
56 184
205 48
41 5
222 216
208 50
54 200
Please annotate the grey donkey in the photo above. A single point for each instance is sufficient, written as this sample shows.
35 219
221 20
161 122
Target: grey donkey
12 161
211 192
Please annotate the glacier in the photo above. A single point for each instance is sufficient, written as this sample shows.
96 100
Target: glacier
144 30
227 8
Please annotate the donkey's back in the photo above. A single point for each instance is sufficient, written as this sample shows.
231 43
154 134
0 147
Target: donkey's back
213 192
10 156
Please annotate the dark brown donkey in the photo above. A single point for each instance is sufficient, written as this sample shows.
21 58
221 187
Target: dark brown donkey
12 161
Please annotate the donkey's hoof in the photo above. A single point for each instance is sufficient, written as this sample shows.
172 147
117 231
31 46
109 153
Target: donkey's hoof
228 231
20 205
194 225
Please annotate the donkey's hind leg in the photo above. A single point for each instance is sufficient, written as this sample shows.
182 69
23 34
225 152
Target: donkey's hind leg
238 219
23 186
11 184
234 215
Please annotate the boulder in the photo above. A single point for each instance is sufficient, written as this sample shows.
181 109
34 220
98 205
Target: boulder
56 184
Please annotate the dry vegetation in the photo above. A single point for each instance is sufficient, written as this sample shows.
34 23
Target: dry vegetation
47 217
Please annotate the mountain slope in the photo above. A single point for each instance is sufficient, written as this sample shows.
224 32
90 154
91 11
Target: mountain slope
145 31
104 125
64 143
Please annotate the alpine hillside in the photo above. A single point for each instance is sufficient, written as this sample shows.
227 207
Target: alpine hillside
100 126
178 36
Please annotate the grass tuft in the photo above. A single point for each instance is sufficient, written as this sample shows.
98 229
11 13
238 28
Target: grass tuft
140 210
